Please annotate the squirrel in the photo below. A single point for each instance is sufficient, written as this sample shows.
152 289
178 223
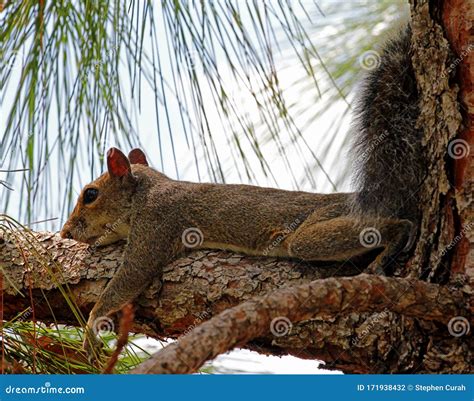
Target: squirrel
162 218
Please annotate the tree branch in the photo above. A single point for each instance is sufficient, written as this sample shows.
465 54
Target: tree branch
201 281
205 283
277 311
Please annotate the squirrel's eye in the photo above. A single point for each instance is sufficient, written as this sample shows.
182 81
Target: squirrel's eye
90 195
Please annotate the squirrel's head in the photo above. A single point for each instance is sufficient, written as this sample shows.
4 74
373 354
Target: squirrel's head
102 213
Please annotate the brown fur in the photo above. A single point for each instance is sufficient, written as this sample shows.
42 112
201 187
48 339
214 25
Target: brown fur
153 211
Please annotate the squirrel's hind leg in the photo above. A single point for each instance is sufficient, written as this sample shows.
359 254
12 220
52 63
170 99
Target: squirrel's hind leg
335 239
343 238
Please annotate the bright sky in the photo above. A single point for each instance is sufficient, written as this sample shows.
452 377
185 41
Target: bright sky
298 91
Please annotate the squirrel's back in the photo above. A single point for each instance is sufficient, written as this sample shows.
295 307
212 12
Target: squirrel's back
390 163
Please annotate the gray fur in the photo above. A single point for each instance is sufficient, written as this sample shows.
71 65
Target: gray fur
389 157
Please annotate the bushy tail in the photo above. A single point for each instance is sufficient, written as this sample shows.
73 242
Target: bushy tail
389 160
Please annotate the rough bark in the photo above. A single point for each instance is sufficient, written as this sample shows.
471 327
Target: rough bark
458 17
204 284
440 120
318 299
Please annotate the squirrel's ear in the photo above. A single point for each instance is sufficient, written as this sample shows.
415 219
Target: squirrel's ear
117 163
136 156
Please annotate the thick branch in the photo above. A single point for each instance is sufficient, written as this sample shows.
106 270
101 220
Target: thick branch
203 281
203 284
277 311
